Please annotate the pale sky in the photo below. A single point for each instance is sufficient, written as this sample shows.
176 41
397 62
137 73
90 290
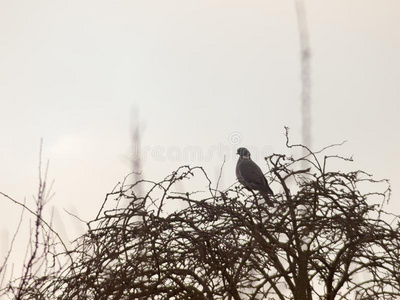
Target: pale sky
200 73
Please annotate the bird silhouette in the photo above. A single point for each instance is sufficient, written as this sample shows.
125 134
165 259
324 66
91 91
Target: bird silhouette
250 175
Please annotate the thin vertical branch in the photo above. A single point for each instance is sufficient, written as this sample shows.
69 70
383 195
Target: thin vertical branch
136 143
305 72
219 176
136 146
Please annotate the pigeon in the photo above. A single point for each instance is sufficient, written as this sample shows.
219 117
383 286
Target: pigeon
250 175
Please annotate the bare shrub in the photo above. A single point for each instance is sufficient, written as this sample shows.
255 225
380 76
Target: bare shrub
324 239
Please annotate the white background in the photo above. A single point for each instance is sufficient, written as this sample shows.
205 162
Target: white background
195 74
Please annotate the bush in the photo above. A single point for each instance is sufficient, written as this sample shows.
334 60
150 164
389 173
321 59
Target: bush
322 240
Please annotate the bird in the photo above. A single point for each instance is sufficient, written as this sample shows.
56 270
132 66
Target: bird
251 177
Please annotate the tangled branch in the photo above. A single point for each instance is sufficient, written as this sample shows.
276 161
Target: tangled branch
324 239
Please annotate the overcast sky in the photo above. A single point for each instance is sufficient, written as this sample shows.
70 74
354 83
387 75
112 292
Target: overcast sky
208 75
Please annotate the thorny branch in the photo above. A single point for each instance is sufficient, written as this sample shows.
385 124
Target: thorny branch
325 239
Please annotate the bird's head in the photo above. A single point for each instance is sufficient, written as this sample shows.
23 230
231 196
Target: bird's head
244 153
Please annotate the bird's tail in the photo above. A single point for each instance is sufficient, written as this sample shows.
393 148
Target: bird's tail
266 196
